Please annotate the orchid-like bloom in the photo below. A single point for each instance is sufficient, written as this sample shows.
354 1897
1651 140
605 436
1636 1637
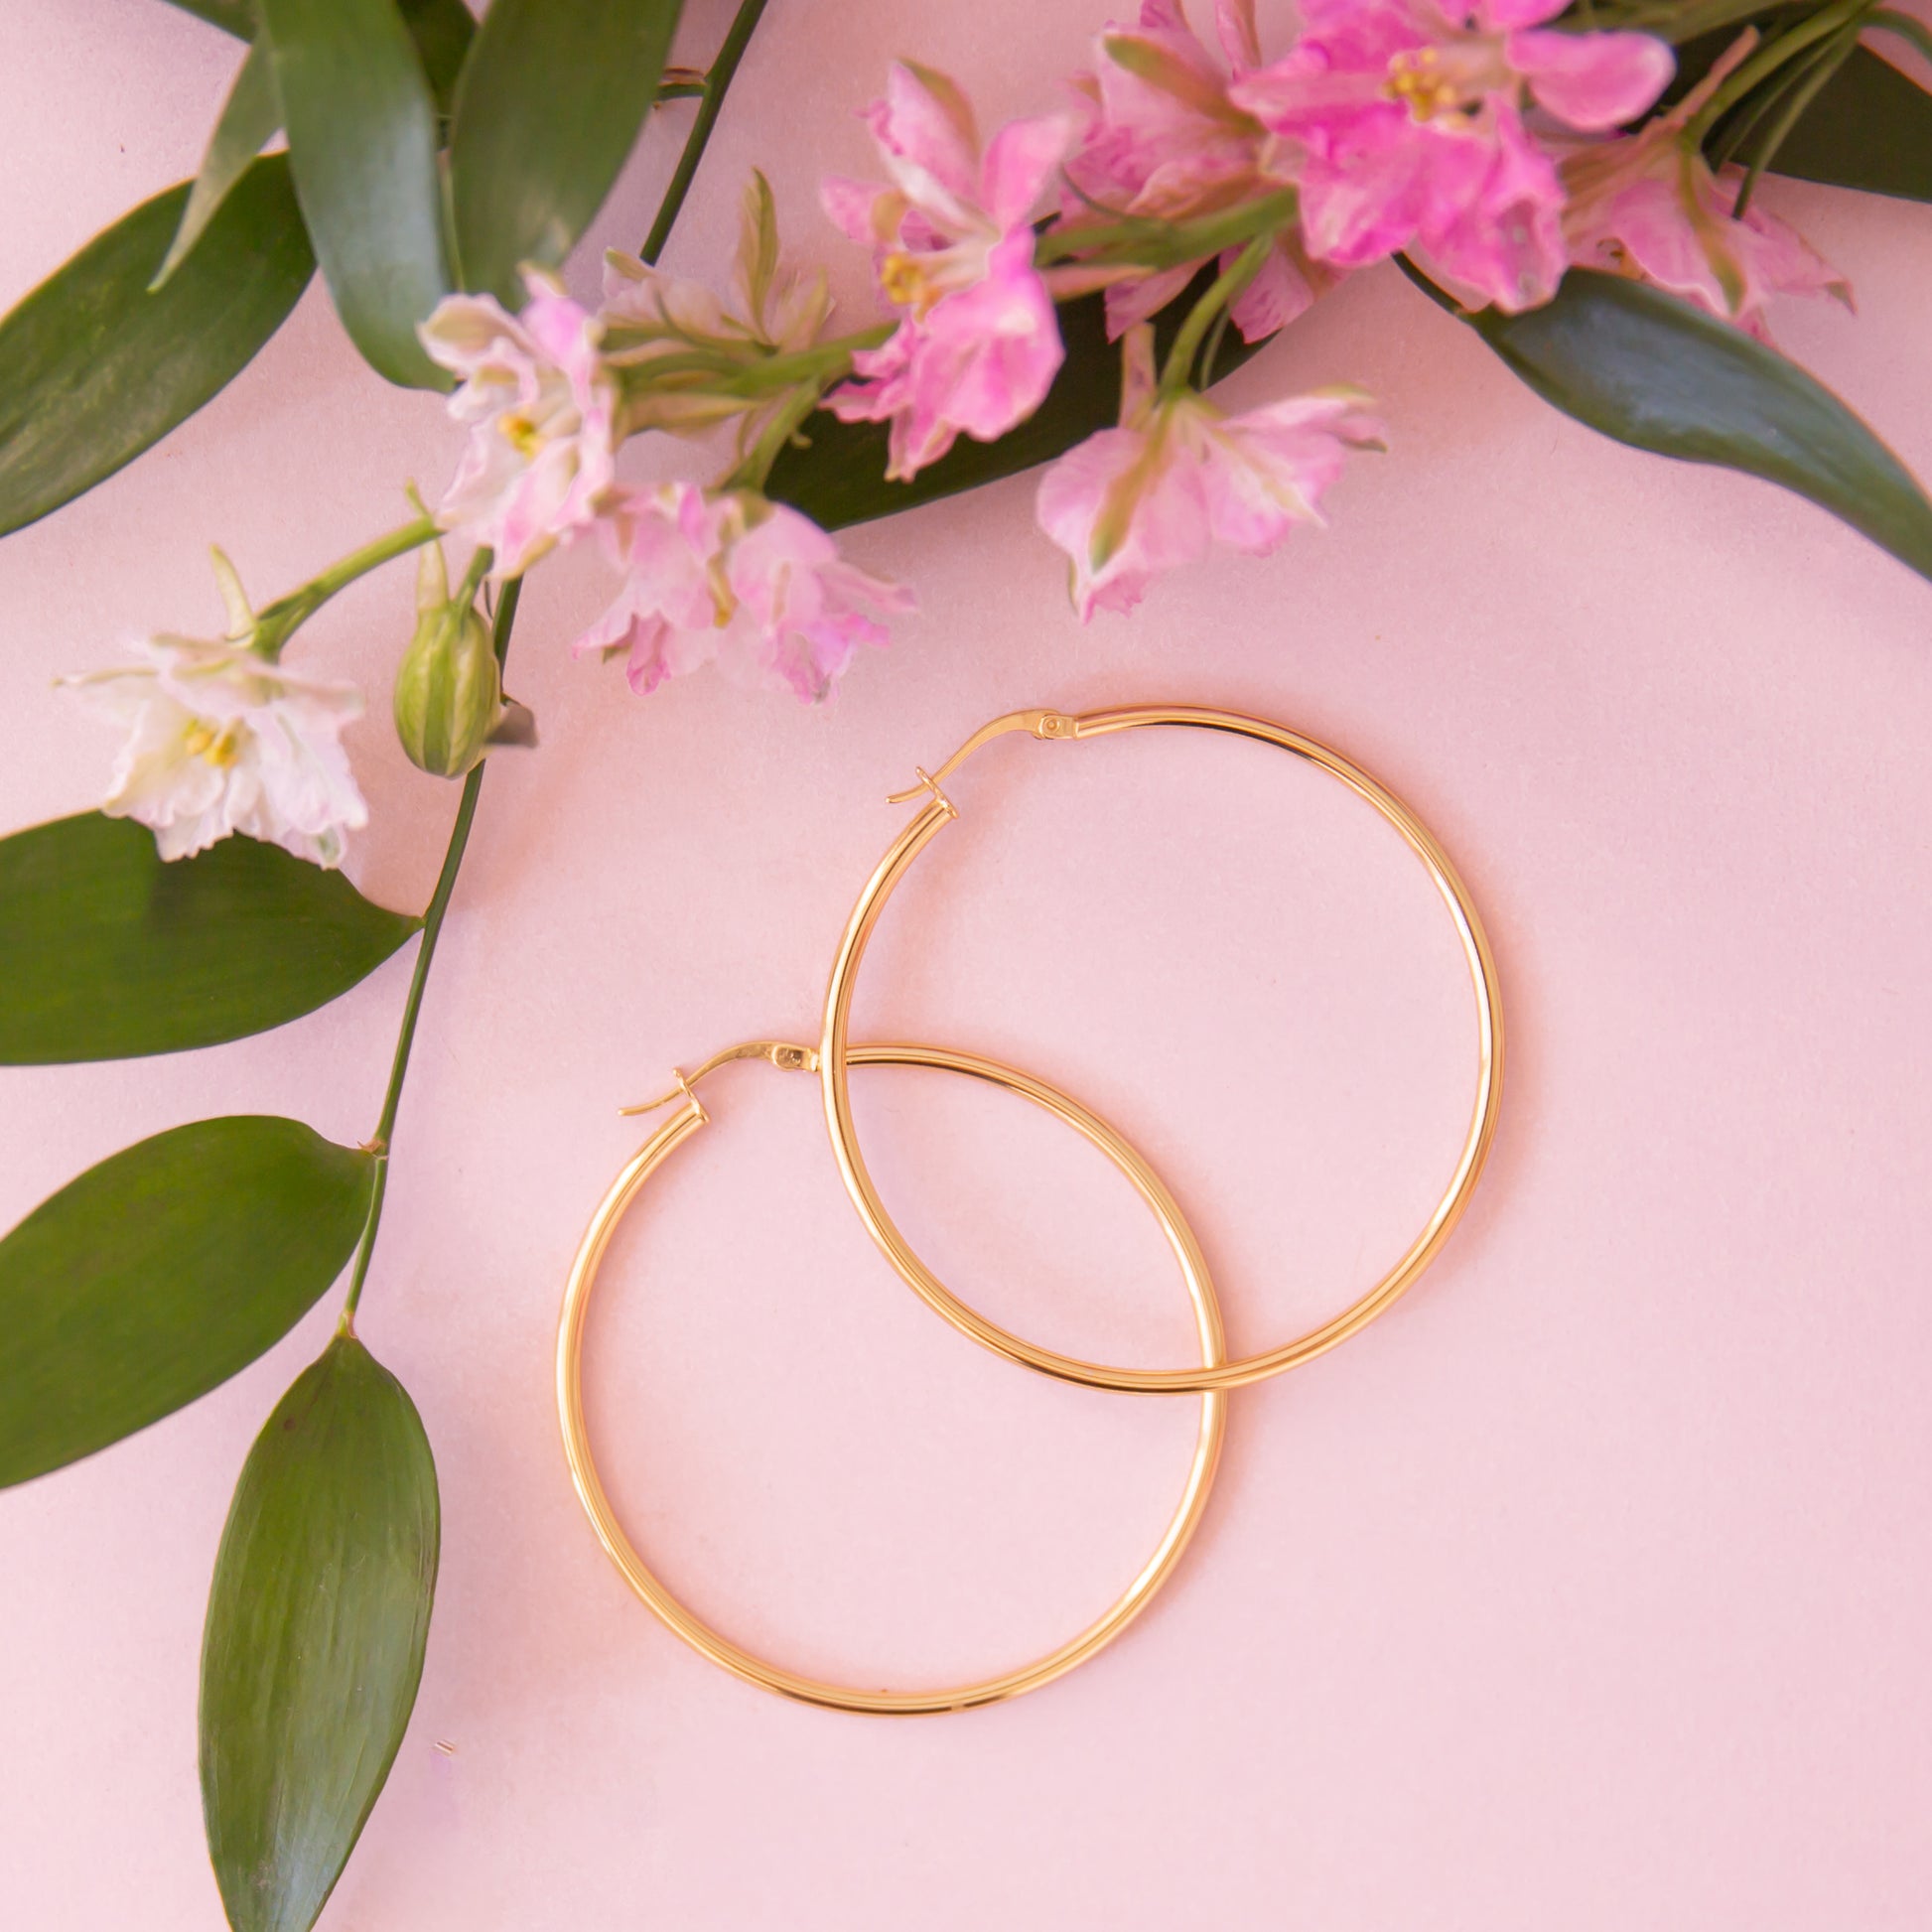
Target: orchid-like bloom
221 740
1647 206
651 317
1402 124
1164 140
734 577
540 409
977 344
1179 476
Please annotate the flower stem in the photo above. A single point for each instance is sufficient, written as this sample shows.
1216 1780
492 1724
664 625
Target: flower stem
280 620
439 906
718 78
1767 59
1194 331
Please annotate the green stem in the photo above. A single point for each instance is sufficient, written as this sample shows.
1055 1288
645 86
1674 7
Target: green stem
1194 331
1819 70
439 906
1887 21
1769 58
1143 242
280 620
718 78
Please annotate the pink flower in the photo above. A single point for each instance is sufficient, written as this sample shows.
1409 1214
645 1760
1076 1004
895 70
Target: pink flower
1162 139
1179 475
1403 125
977 346
736 578
1648 207
540 409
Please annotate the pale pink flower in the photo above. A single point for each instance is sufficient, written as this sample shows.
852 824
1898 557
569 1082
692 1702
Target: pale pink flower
1647 206
977 344
1179 476
220 741
1402 124
739 579
1162 139
540 409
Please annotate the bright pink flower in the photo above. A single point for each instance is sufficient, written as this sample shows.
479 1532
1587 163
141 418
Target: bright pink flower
1179 475
1162 139
977 344
1648 207
540 409
737 579
1402 123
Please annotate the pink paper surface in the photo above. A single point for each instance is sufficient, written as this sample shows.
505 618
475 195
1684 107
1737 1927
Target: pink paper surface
1585 1591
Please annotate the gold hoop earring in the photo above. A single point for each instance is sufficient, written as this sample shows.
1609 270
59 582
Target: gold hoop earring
835 1054
610 1533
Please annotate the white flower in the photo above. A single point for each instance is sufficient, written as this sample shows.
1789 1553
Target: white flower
222 741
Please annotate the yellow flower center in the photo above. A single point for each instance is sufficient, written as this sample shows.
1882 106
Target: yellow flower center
905 282
1434 82
220 748
519 432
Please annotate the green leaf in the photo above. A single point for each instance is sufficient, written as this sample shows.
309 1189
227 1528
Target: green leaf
839 477
317 1623
1652 372
248 119
93 368
110 954
361 128
161 1272
550 105
1870 128
442 30
235 17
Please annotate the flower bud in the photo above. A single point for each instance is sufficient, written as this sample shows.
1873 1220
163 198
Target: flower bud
449 694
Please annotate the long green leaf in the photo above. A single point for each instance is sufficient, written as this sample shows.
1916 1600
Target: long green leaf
93 368
839 477
361 125
248 119
235 17
161 1272
317 1623
1870 128
109 953
442 30
1652 372
551 101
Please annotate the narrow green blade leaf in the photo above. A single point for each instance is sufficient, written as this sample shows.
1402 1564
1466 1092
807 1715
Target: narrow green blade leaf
161 1272
249 117
1870 128
111 953
317 1623
1652 372
93 368
362 141
551 102
839 478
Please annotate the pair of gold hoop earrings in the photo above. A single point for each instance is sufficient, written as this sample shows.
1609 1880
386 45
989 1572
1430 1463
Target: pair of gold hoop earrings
831 1060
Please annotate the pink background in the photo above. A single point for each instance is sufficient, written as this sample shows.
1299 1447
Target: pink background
1587 1590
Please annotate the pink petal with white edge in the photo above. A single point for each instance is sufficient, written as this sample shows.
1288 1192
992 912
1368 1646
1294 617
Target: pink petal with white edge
851 205
1019 163
1592 82
924 130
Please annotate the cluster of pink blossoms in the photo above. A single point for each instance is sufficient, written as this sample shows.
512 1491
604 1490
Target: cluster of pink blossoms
1476 140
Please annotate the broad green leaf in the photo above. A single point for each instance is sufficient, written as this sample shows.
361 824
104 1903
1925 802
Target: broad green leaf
161 1272
249 118
93 368
317 1623
110 954
1652 372
550 105
839 478
361 128
1870 128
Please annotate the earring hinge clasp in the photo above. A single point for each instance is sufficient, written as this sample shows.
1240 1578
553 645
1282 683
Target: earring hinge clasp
1041 724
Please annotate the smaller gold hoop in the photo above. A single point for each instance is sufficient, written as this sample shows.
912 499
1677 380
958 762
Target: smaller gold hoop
680 1128
834 1055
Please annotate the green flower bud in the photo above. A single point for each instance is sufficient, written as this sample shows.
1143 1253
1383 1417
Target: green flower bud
449 694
